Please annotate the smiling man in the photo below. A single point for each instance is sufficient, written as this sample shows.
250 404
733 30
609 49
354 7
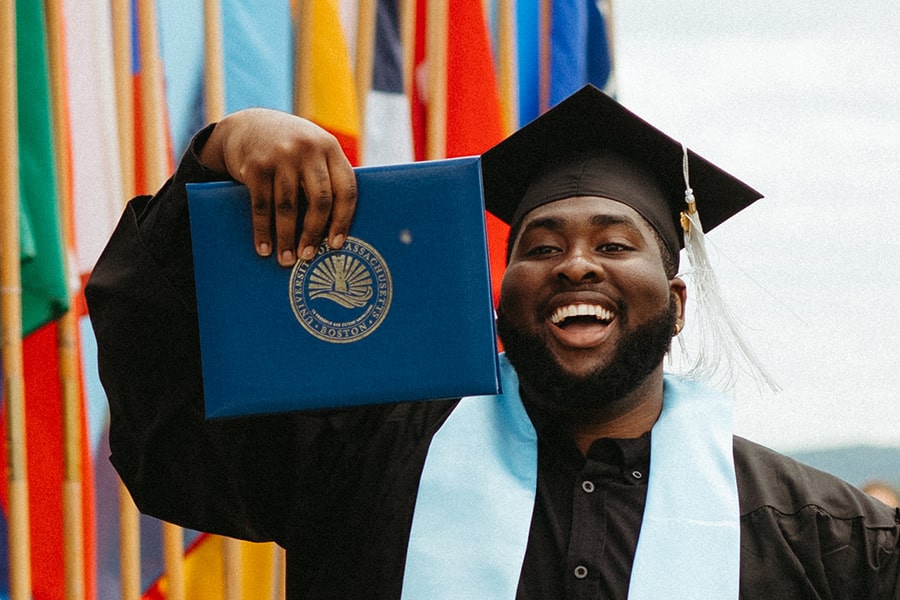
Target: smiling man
594 475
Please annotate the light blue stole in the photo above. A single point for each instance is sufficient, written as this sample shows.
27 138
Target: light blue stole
476 497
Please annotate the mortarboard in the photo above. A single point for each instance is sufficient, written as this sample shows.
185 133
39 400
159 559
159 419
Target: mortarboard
589 144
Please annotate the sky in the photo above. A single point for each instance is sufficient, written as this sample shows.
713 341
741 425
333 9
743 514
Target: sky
802 101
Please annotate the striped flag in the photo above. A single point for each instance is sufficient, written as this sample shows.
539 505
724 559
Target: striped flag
388 122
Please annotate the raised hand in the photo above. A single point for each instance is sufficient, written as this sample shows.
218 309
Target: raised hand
286 161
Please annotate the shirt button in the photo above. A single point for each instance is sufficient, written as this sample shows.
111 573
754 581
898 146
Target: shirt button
581 572
587 486
637 474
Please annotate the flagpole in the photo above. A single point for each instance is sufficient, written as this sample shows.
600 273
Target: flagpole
365 53
506 54
155 170
606 7
279 573
11 305
124 83
129 517
214 101
436 59
73 504
153 126
214 70
303 11
408 42
545 19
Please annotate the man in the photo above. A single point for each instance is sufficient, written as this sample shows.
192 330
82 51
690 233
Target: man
883 491
593 475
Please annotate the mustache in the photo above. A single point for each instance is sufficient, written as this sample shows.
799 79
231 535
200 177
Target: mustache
637 355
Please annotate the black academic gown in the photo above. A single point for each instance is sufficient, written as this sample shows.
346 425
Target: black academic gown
337 488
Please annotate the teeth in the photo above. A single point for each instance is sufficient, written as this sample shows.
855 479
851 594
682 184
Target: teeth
580 310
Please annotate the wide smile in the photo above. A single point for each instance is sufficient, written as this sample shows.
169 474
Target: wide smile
581 324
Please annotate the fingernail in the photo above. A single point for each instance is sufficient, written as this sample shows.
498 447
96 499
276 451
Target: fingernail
337 241
264 249
308 253
287 257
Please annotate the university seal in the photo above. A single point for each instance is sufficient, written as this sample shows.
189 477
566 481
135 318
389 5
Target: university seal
341 296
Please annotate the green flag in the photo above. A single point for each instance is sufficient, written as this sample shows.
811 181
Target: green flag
44 292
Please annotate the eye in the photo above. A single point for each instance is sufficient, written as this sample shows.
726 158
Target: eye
541 250
613 247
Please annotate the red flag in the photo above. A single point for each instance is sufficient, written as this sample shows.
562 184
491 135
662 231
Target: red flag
472 104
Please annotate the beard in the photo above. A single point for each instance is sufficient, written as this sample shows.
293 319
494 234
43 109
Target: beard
563 394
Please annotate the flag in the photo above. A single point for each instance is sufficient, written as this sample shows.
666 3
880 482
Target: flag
326 91
252 35
528 36
474 120
97 197
97 192
43 388
45 297
258 53
388 124
580 52
97 189
45 294
181 48
561 47
204 571
46 475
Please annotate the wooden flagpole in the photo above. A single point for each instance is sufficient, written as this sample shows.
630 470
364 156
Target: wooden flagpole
11 306
73 516
365 53
408 42
155 168
214 62
506 55
279 573
214 98
129 517
153 125
303 26
436 88
545 21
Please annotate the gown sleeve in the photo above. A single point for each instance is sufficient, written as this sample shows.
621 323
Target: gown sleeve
807 534
235 477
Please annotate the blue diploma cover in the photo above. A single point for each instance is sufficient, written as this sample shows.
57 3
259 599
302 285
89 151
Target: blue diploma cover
403 311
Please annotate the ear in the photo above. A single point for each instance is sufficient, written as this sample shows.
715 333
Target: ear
678 289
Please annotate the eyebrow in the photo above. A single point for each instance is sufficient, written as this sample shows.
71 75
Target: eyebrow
598 220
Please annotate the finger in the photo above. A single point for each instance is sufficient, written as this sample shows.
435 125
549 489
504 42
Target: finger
317 187
285 207
343 185
261 215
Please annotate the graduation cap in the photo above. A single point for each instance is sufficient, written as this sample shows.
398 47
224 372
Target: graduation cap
590 145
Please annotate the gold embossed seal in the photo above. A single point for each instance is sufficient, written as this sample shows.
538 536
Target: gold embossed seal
341 296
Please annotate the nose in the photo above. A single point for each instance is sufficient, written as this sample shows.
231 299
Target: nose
578 266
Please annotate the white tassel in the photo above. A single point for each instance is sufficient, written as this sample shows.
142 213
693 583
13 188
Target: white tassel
723 350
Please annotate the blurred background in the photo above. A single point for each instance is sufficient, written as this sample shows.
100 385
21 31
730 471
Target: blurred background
100 98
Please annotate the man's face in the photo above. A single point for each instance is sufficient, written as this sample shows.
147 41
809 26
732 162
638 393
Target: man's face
585 301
